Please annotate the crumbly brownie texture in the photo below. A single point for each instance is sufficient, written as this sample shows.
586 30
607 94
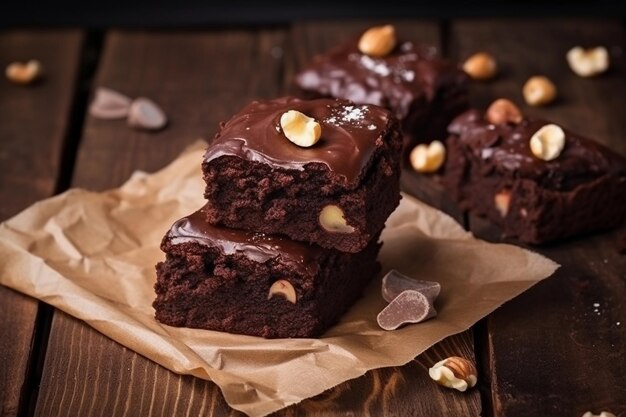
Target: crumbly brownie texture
219 279
424 91
260 181
492 172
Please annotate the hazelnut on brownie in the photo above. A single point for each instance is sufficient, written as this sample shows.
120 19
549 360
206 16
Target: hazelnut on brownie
538 181
321 171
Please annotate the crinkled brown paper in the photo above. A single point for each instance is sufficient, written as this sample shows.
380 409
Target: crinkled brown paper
92 255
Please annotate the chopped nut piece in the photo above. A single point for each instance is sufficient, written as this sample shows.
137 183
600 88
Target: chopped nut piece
428 158
394 283
602 414
539 90
284 289
145 114
332 220
502 200
300 129
588 62
409 307
109 104
548 142
24 73
378 41
481 66
503 111
454 372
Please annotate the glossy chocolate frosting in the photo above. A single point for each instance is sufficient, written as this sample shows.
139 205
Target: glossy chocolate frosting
505 148
350 135
258 247
409 73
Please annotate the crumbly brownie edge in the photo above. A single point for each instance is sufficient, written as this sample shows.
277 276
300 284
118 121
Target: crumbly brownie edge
199 287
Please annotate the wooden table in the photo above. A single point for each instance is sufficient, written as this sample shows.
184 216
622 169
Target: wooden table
550 352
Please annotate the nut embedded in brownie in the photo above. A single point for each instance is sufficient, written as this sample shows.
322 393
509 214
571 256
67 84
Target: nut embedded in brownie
423 90
321 171
538 181
249 283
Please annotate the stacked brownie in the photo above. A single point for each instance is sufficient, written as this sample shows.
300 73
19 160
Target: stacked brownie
423 90
288 238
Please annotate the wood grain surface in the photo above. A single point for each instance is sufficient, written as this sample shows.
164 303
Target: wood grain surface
178 71
34 123
558 349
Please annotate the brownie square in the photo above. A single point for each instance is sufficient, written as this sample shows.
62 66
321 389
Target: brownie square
423 90
492 172
219 279
256 179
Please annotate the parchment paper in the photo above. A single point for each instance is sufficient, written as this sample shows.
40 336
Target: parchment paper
92 255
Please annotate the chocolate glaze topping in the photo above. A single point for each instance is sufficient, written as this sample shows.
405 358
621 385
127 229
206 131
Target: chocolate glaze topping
258 247
505 148
410 72
350 135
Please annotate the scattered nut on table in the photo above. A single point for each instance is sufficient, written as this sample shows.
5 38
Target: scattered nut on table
24 73
332 219
503 111
428 158
300 129
539 90
548 142
109 104
378 41
481 66
502 200
454 372
145 114
283 288
588 62
602 414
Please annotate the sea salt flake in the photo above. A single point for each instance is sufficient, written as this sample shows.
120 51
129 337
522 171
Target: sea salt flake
596 304
371 127
408 75
378 67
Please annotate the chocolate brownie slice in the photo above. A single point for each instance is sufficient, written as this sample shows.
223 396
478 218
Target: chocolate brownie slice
423 90
337 193
249 283
491 171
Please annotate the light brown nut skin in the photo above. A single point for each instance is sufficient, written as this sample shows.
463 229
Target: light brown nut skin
454 372
481 66
539 91
24 72
503 111
378 41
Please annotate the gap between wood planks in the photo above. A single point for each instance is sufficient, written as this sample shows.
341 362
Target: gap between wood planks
88 63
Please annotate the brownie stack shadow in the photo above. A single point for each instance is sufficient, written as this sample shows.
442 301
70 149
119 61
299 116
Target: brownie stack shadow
288 238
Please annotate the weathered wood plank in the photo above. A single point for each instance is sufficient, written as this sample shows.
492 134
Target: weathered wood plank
559 348
199 79
33 127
